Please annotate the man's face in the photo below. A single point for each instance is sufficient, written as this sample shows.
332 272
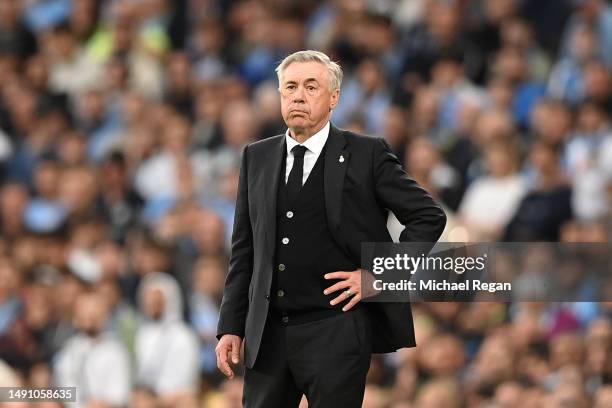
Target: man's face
91 312
306 98
154 303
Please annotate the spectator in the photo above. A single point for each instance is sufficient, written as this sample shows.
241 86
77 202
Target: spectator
594 13
440 31
428 168
13 202
597 84
71 70
15 36
547 206
166 348
157 178
438 393
551 121
518 34
490 201
510 65
582 161
567 78
118 201
365 97
92 361
178 92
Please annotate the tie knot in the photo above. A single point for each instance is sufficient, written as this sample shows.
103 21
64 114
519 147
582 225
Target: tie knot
298 151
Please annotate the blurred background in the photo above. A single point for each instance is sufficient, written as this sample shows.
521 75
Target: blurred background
121 129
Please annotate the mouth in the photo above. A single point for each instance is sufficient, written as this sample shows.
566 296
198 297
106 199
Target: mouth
297 112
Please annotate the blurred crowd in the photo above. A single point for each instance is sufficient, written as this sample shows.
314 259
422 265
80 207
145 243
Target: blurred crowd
121 128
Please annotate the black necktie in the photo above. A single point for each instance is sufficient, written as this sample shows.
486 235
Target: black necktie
294 182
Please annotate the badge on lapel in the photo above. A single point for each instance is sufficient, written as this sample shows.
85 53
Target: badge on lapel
341 159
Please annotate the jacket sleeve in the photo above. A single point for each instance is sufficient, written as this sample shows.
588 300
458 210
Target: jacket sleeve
422 218
234 306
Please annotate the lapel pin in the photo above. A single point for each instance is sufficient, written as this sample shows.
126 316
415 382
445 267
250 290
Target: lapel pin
341 159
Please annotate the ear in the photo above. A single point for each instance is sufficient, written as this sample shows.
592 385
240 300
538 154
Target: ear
335 98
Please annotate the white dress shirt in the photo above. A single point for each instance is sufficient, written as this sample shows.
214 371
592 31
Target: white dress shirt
314 145
100 369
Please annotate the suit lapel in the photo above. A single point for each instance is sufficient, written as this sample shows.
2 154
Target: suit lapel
269 189
336 162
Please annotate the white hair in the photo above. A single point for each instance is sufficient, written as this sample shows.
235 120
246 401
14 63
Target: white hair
334 70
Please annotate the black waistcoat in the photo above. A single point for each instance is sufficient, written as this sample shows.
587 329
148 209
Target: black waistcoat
305 249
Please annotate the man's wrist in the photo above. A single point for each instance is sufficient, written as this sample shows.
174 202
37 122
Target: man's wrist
219 335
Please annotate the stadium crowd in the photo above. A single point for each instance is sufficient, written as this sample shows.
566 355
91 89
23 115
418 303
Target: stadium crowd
121 128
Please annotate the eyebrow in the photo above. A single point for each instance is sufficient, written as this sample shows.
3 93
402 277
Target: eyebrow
306 81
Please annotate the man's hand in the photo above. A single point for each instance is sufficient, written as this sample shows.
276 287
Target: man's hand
350 286
228 346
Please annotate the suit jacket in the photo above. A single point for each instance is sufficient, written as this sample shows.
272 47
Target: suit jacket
359 191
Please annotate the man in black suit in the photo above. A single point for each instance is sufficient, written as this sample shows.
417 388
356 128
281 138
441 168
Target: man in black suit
307 199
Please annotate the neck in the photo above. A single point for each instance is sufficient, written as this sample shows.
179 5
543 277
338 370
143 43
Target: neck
548 180
302 134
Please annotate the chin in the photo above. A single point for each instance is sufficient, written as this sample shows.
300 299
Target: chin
297 123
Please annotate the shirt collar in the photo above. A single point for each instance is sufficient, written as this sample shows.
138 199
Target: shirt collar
314 143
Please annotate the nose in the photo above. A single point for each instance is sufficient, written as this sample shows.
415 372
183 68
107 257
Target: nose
298 95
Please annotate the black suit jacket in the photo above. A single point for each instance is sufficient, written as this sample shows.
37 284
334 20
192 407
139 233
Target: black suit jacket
359 191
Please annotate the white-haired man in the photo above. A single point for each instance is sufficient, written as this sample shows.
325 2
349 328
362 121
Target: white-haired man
307 199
